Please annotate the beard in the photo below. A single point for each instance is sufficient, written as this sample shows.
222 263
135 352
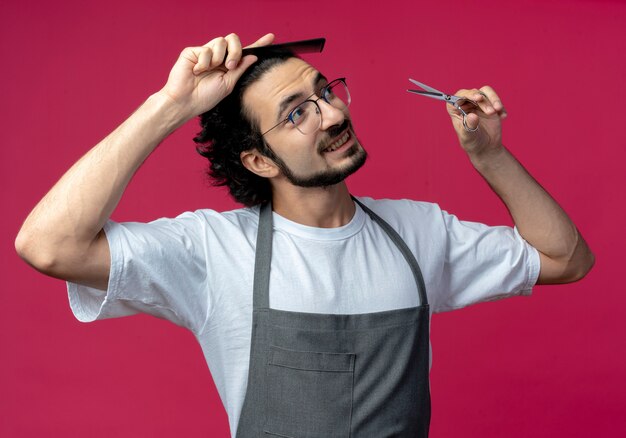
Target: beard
328 177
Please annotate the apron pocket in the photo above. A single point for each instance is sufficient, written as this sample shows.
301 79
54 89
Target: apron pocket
309 394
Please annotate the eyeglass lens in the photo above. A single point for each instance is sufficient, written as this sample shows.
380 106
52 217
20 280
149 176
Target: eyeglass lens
307 117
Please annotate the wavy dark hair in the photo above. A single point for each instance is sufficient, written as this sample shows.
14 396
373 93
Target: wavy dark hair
227 131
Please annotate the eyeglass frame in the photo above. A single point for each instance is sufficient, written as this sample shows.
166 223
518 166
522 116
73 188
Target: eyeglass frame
321 91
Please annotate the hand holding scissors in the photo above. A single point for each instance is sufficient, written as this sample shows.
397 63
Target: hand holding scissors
483 104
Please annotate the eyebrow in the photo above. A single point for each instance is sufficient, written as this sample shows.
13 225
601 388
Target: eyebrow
287 101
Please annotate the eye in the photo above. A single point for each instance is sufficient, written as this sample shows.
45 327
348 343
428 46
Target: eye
327 94
296 115
303 112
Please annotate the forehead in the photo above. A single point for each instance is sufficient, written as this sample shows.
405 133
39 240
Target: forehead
263 98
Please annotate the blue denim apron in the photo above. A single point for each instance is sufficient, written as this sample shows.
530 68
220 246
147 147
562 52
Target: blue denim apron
331 375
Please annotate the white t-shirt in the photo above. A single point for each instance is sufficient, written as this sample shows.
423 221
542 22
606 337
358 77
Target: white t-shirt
197 271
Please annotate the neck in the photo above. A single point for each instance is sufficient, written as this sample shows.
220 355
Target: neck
322 207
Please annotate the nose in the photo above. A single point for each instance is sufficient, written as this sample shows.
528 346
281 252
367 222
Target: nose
331 116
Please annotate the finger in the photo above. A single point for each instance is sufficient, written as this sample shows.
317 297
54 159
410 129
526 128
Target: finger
492 96
481 99
234 51
232 76
474 99
265 40
219 52
495 100
212 42
204 55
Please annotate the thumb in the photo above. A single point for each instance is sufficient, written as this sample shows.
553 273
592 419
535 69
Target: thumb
263 41
472 121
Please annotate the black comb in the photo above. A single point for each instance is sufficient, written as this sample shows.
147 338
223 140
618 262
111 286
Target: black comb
315 45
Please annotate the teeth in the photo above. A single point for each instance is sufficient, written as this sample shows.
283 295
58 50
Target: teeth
338 143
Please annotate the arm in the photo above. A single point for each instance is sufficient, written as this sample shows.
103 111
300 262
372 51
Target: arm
564 255
62 237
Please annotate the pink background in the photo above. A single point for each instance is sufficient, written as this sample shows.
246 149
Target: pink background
546 366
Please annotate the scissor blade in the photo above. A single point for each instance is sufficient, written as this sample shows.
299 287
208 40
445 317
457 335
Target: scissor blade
425 87
431 94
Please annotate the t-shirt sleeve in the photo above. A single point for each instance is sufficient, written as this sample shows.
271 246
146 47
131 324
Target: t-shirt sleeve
158 268
484 263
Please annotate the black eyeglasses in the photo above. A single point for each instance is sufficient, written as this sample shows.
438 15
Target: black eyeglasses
307 117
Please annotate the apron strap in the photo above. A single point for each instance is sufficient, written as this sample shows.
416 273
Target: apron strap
263 255
404 249
263 259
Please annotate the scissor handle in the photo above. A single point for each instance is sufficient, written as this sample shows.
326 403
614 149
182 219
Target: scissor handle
457 104
455 101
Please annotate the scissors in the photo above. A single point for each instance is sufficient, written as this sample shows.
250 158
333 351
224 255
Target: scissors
455 101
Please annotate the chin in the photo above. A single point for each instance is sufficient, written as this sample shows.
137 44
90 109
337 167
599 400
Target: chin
330 177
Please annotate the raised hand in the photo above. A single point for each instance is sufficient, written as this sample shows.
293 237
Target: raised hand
486 115
203 76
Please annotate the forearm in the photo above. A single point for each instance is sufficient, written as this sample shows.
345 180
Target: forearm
537 216
71 215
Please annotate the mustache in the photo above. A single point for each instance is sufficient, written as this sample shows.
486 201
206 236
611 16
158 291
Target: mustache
332 133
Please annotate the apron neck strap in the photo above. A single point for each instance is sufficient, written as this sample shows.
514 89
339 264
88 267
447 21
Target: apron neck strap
406 252
263 255
263 258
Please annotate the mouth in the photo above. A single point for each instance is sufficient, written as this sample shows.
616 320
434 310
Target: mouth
340 143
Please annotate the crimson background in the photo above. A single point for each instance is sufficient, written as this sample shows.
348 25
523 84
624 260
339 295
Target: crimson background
546 366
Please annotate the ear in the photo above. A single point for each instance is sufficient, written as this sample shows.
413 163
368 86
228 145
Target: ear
258 163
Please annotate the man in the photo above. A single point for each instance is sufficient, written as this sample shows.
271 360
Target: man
312 307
